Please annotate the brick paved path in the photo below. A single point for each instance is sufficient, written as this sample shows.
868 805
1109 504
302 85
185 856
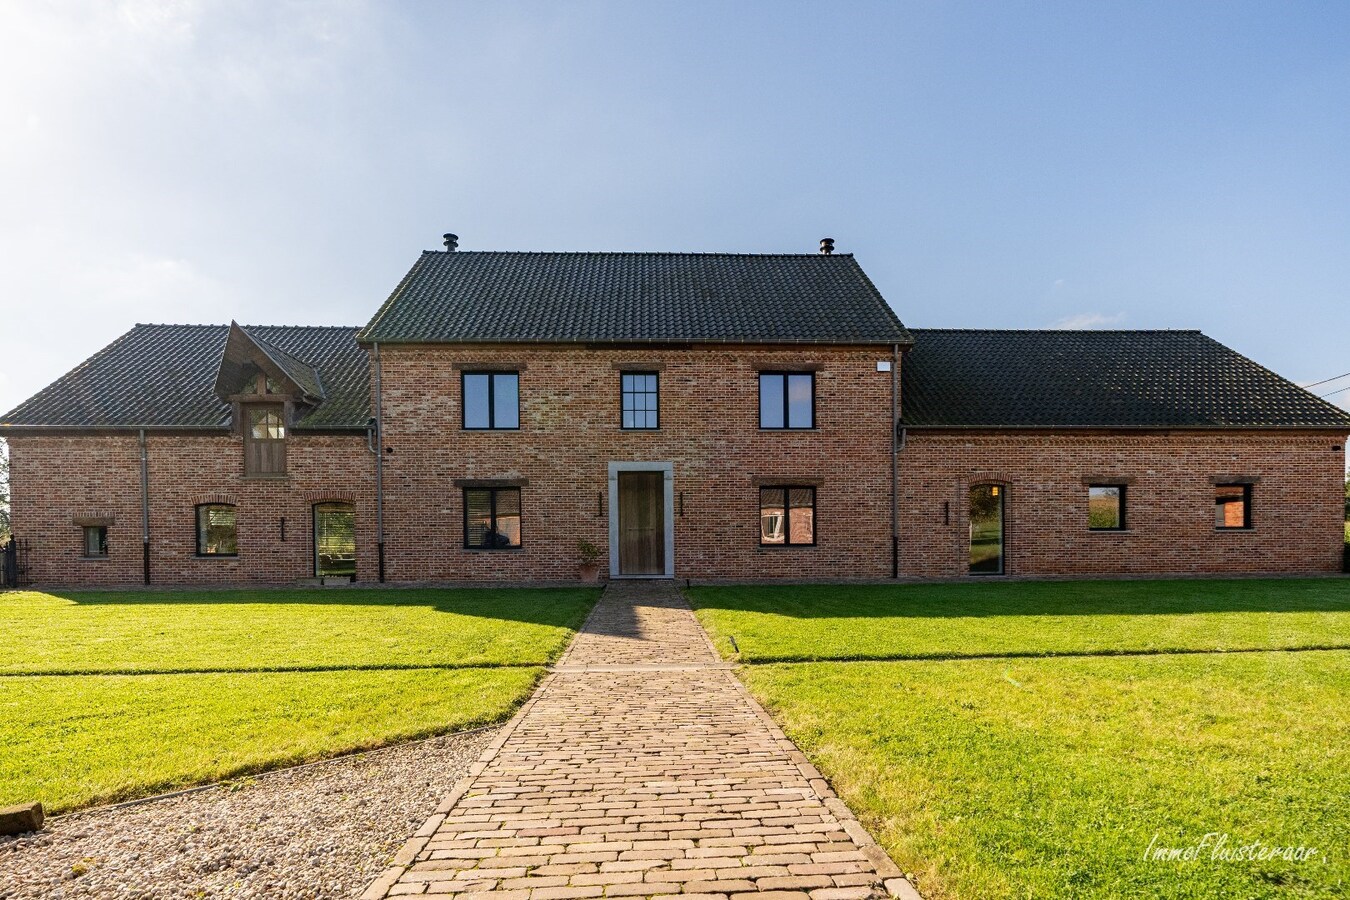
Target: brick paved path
641 767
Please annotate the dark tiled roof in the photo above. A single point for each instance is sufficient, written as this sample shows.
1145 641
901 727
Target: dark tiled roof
164 376
1097 379
643 297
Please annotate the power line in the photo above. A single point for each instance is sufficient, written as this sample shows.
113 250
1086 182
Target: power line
1326 381
1334 393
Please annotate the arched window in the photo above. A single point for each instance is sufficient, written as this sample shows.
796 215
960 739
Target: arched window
216 533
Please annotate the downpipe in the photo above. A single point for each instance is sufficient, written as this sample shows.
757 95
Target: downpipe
145 509
377 437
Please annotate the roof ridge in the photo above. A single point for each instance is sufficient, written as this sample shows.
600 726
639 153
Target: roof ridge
812 255
1061 330
241 325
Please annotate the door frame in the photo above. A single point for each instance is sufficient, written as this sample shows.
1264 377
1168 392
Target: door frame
667 469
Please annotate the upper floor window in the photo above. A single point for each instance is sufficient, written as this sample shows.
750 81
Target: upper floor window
640 393
95 541
491 400
216 534
787 400
491 518
1232 506
262 384
264 440
1106 507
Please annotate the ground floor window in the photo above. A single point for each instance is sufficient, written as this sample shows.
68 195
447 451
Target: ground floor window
1106 507
216 534
492 518
95 541
1232 506
986 529
787 516
334 539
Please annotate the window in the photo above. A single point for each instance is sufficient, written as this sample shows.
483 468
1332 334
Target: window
264 441
1106 507
491 518
787 516
787 400
491 400
216 535
262 384
639 400
1232 506
95 541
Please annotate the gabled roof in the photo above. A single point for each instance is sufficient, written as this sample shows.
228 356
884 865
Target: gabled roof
246 345
164 376
1097 379
473 297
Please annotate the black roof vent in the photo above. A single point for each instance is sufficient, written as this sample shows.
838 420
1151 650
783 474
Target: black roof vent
451 242
826 246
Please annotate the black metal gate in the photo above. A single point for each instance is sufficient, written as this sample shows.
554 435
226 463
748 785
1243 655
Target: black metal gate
11 563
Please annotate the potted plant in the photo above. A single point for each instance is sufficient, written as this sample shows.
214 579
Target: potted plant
590 561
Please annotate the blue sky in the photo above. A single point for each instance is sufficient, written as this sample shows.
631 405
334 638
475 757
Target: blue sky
1004 164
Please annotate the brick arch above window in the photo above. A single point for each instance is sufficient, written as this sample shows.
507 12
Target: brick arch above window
213 500
330 497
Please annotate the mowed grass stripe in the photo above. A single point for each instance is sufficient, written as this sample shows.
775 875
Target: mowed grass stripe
1050 778
285 630
1023 619
72 741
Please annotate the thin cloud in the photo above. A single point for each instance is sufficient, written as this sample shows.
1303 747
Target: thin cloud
1088 320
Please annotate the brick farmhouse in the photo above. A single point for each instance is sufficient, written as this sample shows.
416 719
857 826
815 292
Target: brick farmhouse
703 416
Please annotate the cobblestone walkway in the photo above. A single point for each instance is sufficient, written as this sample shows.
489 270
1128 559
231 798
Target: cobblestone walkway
641 767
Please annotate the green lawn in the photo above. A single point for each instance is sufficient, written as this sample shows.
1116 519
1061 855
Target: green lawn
153 631
1023 777
358 669
75 740
1050 777
925 621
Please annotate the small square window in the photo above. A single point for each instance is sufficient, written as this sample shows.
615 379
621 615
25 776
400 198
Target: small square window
787 400
787 516
638 396
1106 507
491 518
95 541
1232 506
491 400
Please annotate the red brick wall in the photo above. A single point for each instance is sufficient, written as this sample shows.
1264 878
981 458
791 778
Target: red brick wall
570 431
1296 505
57 479
709 432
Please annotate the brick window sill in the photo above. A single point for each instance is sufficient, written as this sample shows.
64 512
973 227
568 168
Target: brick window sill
93 559
492 549
230 557
267 478
1110 531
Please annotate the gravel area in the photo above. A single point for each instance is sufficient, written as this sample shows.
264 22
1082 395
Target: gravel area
319 831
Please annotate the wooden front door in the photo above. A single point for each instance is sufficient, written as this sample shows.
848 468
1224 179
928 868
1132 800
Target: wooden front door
642 523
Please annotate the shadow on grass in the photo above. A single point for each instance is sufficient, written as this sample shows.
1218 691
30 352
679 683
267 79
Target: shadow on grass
535 606
980 599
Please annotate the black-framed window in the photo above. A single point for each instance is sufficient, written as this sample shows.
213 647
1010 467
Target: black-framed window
216 532
1106 507
787 399
491 400
787 516
1232 506
492 518
95 541
640 398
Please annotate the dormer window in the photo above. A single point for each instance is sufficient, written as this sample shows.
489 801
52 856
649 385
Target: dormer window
264 440
263 384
